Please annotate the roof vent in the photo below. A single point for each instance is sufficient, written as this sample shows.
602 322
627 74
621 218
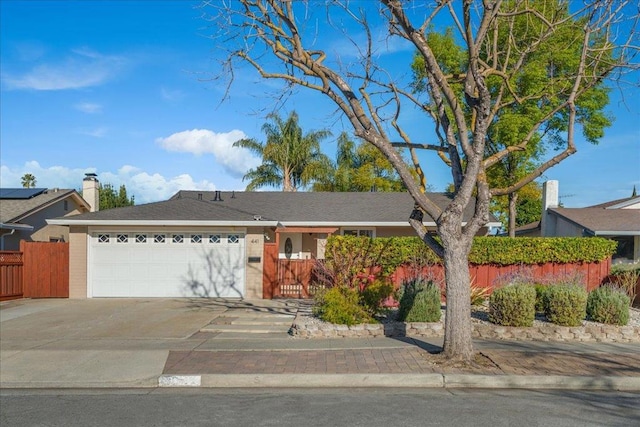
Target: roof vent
217 196
199 196
257 218
233 194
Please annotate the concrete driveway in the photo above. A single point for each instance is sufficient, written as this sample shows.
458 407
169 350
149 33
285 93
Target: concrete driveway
98 342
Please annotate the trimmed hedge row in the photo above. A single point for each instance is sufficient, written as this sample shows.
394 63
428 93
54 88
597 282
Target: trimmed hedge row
389 253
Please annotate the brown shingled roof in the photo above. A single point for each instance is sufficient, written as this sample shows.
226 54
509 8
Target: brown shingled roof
274 206
601 221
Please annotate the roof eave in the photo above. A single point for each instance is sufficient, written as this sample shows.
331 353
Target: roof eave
254 223
615 233
160 223
10 226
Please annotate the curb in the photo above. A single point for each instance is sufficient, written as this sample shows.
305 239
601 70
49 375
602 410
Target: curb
540 382
533 382
303 380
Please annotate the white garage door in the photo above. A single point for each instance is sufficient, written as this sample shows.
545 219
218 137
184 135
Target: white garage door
166 264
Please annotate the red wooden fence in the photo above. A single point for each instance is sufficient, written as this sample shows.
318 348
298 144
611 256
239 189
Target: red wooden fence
46 269
291 278
39 270
486 276
10 275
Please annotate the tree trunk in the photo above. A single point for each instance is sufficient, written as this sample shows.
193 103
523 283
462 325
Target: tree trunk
458 342
513 203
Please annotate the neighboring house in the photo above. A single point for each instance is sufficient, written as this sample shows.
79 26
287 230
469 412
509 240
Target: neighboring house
618 220
24 211
213 243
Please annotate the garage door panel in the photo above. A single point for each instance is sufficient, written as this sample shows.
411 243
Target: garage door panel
210 268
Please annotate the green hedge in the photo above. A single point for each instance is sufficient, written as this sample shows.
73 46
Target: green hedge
389 253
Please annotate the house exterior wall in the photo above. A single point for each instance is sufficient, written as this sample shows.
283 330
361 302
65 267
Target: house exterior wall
309 246
321 244
296 241
395 231
77 262
254 246
563 228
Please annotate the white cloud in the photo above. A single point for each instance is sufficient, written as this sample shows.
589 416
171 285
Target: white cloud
96 133
88 107
237 161
82 68
152 187
146 187
29 51
171 95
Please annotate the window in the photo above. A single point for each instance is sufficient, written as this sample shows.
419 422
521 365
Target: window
361 232
178 238
66 205
214 238
103 238
196 238
233 238
122 238
158 238
141 238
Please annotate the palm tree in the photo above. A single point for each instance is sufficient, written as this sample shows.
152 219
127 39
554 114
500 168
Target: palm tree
28 180
290 158
358 168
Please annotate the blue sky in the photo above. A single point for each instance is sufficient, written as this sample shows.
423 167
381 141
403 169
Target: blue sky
125 89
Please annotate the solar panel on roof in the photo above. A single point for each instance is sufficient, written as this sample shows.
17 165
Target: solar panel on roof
20 193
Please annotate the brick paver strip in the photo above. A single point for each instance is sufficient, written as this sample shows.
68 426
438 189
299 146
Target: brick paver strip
564 363
393 360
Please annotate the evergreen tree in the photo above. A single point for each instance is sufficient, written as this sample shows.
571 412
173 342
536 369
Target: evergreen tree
109 198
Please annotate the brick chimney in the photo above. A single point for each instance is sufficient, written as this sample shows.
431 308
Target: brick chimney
550 199
90 191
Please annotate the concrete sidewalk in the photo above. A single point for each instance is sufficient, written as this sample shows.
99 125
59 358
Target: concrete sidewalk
189 343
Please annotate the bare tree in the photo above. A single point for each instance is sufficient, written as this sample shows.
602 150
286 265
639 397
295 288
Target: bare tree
280 39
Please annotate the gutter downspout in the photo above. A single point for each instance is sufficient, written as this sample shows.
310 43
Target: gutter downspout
3 236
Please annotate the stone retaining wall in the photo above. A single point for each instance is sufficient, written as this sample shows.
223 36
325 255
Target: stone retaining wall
547 332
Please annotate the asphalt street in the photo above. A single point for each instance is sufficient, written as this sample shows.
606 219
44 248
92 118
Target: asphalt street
317 407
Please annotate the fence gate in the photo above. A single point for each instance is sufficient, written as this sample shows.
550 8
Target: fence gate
46 269
38 270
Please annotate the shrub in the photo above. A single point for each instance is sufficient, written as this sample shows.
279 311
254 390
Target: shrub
373 295
340 305
609 305
478 293
540 297
419 301
565 305
626 278
513 305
